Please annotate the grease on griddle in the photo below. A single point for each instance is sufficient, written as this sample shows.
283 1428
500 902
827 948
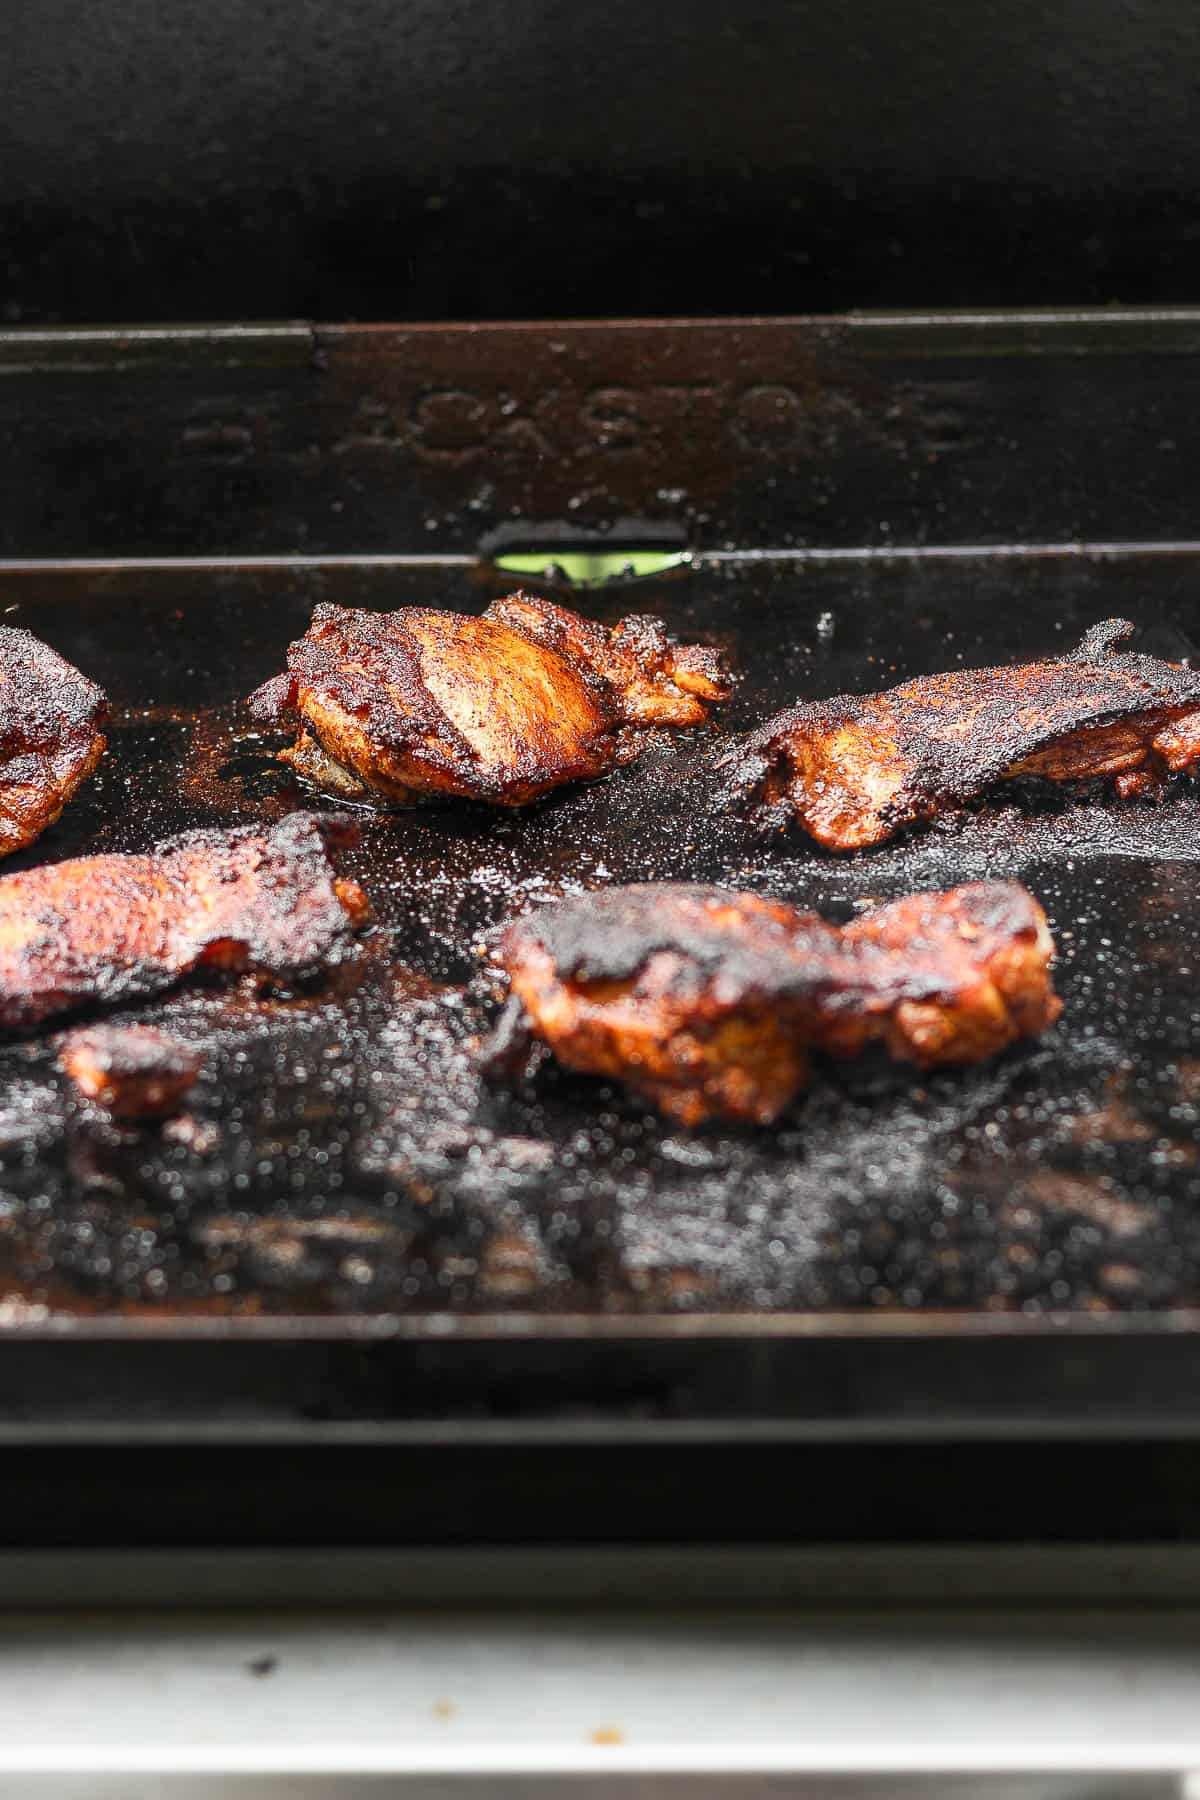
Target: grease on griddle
357 1100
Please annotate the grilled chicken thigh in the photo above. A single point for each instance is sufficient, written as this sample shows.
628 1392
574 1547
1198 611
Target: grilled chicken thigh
422 704
49 737
709 1002
115 928
132 1071
856 769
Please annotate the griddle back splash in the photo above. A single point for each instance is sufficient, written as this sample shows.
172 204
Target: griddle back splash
342 1155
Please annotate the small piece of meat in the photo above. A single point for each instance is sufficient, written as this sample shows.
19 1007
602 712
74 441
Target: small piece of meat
132 1071
856 769
111 929
950 977
421 704
49 741
710 1002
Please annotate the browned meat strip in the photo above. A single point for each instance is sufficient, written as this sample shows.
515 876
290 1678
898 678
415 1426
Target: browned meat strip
115 928
709 1002
856 769
49 737
133 1071
422 704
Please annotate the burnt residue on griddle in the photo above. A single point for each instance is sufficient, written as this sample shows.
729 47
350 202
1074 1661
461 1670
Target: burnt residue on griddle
340 1151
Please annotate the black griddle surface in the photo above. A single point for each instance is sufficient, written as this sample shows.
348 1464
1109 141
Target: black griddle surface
345 1157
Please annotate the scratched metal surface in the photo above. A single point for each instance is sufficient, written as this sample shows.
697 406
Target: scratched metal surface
343 1156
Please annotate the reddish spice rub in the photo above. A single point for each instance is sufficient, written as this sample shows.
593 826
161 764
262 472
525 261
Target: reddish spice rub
709 1002
132 1071
49 737
422 704
111 929
856 769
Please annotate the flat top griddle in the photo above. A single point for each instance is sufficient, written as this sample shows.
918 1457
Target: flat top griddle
357 1164
361 1229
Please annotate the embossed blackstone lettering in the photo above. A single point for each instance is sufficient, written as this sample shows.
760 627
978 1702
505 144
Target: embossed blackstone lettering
522 426
453 426
614 414
449 424
647 421
769 417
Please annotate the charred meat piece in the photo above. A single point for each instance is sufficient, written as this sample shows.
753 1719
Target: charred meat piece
709 1002
132 1071
856 769
947 978
684 992
49 741
422 705
115 928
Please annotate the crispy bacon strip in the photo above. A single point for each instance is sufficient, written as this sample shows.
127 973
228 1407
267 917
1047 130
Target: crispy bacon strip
49 737
709 1002
116 928
856 769
423 704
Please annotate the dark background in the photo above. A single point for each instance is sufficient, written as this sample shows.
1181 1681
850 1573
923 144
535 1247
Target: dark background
206 159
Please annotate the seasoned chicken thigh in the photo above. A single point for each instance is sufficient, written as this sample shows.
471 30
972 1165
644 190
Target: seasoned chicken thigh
49 736
115 928
856 769
423 704
709 1002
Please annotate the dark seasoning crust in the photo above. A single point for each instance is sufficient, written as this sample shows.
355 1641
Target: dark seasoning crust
49 736
111 929
423 704
709 1001
856 769
613 934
